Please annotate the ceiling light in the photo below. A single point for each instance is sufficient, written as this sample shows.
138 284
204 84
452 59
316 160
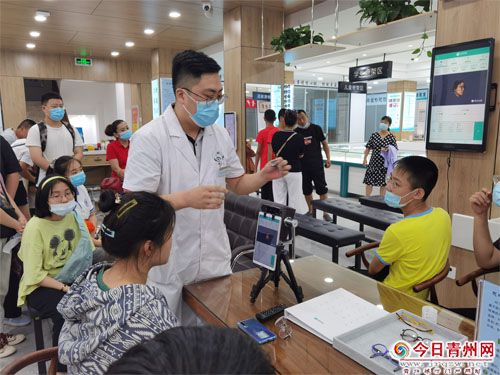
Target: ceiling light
174 14
320 78
364 54
416 59
35 34
375 82
334 37
410 45
129 44
369 87
328 280
41 15
30 45
149 31
115 53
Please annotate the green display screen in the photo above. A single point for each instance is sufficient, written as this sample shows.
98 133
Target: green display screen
83 61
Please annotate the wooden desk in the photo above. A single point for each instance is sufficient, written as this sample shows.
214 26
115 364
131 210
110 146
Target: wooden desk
96 167
225 301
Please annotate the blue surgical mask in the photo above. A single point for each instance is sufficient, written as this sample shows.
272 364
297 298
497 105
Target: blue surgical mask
394 201
496 194
383 126
56 114
78 179
305 126
126 135
62 209
206 114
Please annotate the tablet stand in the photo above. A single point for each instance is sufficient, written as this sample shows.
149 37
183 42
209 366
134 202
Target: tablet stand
267 275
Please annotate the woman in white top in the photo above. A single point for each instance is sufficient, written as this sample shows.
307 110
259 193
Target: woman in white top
72 169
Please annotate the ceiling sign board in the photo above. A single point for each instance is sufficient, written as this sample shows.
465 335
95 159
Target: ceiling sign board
83 61
370 72
352 88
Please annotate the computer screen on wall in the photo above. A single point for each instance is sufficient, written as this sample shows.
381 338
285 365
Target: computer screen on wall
459 96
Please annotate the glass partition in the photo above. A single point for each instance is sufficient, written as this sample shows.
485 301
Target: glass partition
258 99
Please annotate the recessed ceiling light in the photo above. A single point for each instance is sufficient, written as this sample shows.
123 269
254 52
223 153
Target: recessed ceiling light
30 45
174 14
375 82
115 53
410 45
129 44
149 31
35 34
41 15
369 87
328 280
320 78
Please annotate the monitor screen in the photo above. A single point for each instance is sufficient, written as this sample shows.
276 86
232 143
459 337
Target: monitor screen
230 125
266 240
459 96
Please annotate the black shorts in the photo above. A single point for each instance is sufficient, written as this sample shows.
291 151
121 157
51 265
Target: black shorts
316 175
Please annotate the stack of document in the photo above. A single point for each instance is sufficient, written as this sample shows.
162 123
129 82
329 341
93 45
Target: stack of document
333 314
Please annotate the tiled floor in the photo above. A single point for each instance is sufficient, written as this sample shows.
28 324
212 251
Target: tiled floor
304 247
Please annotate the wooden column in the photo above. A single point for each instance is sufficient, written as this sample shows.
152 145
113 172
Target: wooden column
13 101
460 21
242 44
402 87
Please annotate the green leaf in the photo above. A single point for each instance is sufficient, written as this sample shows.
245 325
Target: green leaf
425 36
416 51
429 53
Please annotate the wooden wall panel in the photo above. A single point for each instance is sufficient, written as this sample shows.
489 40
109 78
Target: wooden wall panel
233 88
468 171
155 64
24 64
13 100
232 29
166 55
140 72
146 103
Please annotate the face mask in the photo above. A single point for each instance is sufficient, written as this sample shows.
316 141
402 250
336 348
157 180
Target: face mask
62 209
56 114
78 179
394 201
383 126
307 124
126 135
205 115
496 194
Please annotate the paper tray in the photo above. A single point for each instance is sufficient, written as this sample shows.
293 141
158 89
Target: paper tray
357 343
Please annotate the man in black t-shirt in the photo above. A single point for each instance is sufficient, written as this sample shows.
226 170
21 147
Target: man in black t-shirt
312 162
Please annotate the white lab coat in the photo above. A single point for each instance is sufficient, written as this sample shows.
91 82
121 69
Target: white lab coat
161 160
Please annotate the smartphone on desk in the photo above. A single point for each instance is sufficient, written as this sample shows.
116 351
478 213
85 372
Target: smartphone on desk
257 331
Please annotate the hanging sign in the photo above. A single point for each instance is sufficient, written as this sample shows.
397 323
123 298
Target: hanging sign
370 72
352 88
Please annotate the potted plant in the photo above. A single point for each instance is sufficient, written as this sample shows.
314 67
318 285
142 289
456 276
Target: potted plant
295 37
383 11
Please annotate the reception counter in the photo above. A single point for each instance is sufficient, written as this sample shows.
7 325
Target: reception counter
95 166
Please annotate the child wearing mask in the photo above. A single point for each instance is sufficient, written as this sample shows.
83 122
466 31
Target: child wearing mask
55 248
109 308
71 168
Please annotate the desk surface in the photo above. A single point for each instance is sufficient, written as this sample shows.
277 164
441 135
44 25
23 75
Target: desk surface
225 301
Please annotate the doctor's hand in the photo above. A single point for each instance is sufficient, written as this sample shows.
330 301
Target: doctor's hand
480 202
206 197
275 169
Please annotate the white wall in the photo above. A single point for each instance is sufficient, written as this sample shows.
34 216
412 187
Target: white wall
106 101
357 118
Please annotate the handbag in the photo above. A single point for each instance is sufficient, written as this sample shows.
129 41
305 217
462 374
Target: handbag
112 183
81 259
5 231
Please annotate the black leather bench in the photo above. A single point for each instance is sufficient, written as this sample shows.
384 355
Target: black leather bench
377 201
328 234
354 211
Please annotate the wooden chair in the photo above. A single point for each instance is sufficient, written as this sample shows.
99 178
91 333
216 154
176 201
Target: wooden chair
471 277
428 284
44 355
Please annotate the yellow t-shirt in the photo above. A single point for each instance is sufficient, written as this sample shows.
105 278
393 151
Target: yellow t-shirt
416 248
45 247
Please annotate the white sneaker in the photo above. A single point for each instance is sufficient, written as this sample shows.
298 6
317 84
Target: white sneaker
15 339
21 321
6 350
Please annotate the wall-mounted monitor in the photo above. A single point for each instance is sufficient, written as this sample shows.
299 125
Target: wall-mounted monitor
459 96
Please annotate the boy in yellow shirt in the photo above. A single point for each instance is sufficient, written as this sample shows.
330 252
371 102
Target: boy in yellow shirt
417 247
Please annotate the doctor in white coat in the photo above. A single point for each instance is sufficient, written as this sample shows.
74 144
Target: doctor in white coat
189 162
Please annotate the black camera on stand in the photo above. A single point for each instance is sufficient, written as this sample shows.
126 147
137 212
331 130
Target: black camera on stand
286 238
